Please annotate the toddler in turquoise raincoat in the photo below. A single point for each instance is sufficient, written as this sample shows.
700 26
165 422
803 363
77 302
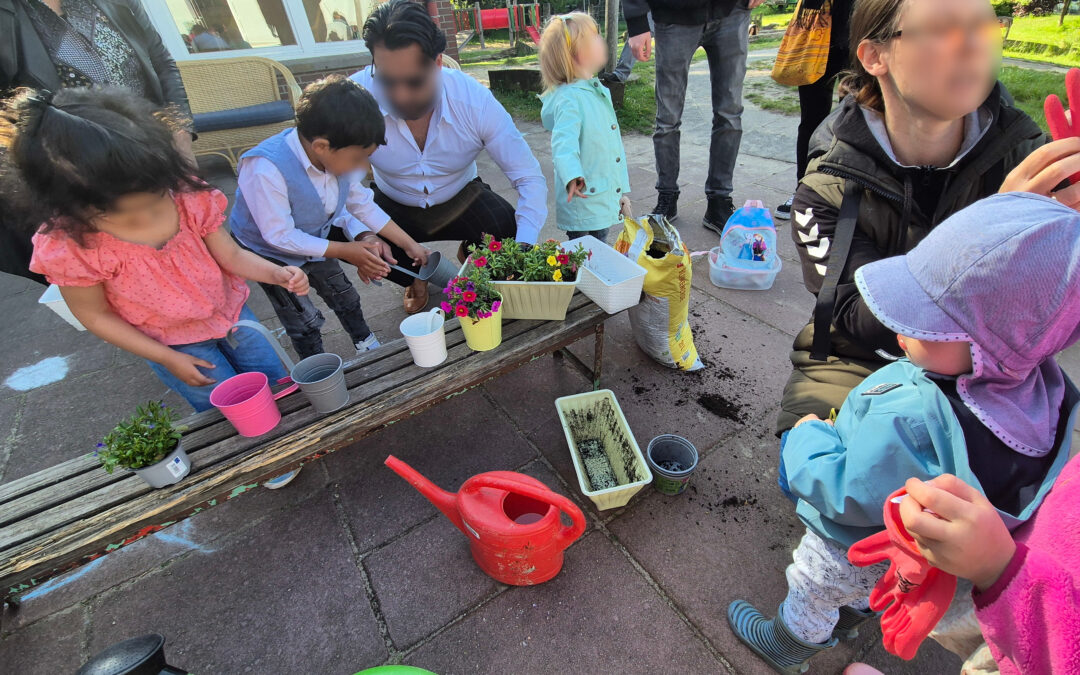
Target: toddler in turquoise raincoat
586 143
980 307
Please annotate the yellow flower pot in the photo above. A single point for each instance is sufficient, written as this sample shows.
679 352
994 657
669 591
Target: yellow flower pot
482 334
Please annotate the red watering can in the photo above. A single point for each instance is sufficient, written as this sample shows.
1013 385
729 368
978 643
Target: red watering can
511 521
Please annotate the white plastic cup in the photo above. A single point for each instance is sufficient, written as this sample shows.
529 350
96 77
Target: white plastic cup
425 337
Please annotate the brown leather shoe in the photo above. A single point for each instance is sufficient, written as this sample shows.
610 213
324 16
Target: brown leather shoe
416 297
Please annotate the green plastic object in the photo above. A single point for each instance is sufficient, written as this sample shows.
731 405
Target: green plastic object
396 670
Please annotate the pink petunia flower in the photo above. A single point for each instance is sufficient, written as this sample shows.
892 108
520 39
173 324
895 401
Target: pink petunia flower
496 305
480 262
563 259
468 296
446 307
494 246
461 310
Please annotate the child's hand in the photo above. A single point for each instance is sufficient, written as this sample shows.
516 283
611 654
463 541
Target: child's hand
183 366
810 418
964 535
575 188
626 207
292 278
365 256
418 253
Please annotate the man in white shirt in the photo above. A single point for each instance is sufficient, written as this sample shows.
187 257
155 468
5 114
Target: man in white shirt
437 122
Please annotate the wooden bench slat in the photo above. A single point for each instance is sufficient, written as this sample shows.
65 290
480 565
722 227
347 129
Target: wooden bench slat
65 546
91 493
209 426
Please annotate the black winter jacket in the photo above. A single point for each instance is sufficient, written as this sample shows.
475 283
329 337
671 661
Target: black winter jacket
898 207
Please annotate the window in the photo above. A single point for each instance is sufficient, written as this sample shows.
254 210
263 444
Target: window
275 28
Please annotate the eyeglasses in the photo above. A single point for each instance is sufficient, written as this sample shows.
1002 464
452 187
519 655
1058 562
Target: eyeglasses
986 31
390 83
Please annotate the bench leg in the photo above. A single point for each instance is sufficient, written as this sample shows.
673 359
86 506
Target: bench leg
598 356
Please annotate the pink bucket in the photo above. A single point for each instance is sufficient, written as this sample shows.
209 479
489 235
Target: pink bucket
246 401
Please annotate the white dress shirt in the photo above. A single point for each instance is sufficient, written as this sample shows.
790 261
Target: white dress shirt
466 120
267 198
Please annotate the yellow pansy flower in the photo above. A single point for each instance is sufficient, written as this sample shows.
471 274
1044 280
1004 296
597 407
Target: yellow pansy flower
557 276
552 261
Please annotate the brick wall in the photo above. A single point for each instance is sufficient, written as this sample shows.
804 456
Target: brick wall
443 13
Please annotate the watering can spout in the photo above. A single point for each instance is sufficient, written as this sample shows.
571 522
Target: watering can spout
443 500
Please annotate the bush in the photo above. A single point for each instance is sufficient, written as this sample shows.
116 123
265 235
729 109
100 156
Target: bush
1004 8
144 439
1034 7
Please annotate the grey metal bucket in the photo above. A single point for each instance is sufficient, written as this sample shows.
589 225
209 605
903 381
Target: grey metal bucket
321 377
672 459
170 470
437 270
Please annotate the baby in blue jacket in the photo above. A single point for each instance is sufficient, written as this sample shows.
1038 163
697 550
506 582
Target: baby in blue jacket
980 307
586 143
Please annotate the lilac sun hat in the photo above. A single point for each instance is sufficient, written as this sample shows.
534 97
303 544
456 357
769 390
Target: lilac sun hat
1003 274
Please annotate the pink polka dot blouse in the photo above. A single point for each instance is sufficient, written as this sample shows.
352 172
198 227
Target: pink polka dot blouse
177 294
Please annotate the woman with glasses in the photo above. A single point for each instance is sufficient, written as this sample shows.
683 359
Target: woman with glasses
925 130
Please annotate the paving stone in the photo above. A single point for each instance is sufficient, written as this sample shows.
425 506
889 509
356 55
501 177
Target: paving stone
83 352
599 615
197 534
528 394
428 577
736 387
448 443
786 306
50 646
734 516
276 599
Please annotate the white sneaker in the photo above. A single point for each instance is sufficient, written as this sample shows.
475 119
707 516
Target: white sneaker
369 343
281 481
783 212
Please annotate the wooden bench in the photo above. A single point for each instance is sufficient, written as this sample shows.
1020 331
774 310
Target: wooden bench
68 515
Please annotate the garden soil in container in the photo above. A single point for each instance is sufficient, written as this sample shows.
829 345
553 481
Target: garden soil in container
602 445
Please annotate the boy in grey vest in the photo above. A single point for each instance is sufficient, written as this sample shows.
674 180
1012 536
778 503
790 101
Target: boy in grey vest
300 201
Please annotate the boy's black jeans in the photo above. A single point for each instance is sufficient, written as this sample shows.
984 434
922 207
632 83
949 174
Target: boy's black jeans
300 317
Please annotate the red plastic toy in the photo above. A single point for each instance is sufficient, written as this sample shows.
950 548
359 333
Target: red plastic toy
511 520
913 594
1060 127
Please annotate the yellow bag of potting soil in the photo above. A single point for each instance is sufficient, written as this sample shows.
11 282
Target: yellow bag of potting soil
659 321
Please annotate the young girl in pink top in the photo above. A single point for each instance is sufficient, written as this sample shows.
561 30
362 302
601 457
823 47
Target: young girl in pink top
133 239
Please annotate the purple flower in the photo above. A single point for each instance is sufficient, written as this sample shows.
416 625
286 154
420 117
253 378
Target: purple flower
446 307
457 290
496 305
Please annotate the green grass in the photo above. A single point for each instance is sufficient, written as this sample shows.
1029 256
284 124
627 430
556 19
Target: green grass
638 112
1030 87
1040 38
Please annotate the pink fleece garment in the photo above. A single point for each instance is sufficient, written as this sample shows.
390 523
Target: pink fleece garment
1031 616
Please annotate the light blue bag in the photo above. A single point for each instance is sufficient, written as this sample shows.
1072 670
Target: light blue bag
746 258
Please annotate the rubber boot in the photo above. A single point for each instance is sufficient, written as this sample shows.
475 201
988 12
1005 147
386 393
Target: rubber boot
847 628
771 639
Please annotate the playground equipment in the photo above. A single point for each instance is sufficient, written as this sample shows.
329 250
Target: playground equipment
521 20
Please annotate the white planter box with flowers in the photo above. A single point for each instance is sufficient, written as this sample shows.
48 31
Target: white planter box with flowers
534 284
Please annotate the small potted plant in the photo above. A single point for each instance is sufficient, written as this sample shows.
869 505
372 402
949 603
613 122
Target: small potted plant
472 298
149 444
536 282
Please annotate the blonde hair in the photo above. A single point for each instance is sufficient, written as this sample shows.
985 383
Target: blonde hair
559 45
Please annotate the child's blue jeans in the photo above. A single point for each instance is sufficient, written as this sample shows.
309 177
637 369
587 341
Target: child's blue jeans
253 354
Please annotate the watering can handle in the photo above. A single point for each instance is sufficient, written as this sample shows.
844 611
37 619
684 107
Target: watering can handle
566 535
267 334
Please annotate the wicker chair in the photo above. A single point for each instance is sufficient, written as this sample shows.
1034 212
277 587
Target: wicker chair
449 62
231 87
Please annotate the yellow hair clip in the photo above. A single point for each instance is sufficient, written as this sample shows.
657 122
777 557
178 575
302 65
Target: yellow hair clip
565 18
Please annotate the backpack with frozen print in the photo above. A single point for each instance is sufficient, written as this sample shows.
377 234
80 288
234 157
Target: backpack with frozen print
746 258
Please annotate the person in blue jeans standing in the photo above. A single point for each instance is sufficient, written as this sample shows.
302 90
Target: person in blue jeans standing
681 26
